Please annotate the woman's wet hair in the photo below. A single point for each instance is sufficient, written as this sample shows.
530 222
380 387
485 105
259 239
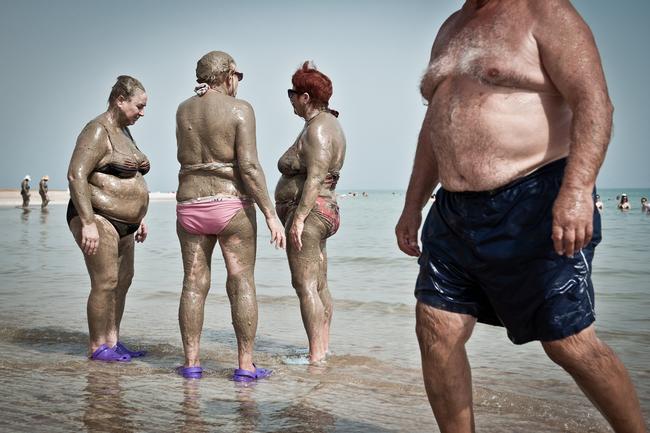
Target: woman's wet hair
214 68
125 86
308 79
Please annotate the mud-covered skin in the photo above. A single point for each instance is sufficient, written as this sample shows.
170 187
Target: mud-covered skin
219 128
318 150
511 86
109 258
43 192
238 243
25 193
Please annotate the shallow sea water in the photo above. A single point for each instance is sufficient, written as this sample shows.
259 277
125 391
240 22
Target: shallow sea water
372 381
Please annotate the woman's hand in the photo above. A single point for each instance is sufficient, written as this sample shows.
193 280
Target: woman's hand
296 233
89 239
278 239
142 232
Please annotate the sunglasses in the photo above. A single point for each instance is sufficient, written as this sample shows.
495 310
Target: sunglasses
291 92
239 75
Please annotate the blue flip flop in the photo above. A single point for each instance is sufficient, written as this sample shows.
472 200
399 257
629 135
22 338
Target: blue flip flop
123 350
241 375
106 354
190 372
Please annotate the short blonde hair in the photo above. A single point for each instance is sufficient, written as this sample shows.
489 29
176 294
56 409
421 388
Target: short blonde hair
214 67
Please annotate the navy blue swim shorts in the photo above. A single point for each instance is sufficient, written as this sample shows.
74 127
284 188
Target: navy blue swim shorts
490 255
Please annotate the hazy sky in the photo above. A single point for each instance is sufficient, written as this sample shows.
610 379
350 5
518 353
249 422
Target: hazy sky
59 60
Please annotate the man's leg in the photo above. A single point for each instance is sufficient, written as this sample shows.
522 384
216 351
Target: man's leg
197 257
602 377
238 246
447 376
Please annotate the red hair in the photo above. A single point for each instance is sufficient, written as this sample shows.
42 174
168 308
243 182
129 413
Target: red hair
307 79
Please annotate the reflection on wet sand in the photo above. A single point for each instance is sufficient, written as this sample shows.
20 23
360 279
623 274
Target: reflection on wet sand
24 215
191 408
105 408
45 213
239 415
248 414
300 418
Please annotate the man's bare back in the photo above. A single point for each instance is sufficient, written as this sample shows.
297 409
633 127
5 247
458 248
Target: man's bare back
496 115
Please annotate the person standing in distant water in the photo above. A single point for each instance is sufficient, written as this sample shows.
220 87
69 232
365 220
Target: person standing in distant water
624 204
24 191
645 205
599 203
516 129
43 191
305 200
108 201
219 180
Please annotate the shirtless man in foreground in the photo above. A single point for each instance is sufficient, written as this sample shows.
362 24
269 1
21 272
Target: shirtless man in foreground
516 129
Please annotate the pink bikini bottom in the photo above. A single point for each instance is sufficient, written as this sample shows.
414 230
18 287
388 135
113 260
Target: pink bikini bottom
208 217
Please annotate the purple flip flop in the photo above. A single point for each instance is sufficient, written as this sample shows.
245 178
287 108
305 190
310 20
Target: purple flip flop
241 375
106 354
123 350
190 372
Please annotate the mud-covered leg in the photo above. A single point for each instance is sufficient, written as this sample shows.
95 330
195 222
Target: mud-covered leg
238 244
305 268
325 295
196 251
124 277
103 271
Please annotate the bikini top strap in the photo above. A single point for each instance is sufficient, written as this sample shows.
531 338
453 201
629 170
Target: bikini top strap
110 141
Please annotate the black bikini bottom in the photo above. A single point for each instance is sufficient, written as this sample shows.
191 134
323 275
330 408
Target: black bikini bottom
123 229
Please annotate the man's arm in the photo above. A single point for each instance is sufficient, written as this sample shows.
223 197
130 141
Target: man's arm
424 179
570 57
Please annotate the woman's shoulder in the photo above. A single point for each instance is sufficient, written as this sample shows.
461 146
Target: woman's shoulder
95 130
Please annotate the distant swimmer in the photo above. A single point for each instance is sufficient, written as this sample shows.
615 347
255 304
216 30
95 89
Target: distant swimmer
645 205
599 203
24 191
108 201
517 125
43 191
624 203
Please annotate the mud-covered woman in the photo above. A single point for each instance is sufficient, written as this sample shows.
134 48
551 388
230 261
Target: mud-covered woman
108 202
305 200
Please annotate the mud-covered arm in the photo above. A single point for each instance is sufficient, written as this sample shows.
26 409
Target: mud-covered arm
570 57
249 166
424 179
91 147
252 174
316 154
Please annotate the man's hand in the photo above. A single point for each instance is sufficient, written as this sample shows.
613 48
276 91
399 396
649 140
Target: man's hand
89 239
295 233
142 232
573 213
407 232
278 238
